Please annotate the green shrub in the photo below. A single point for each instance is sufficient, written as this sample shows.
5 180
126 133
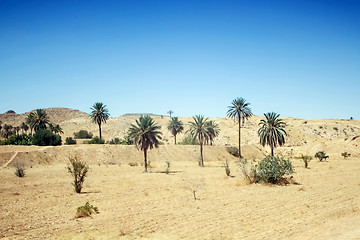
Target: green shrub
19 170
345 154
95 140
86 210
44 137
125 141
78 170
83 134
21 139
189 140
233 151
306 159
70 141
321 155
272 169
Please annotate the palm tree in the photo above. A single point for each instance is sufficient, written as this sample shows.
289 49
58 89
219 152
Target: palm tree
38 120
7 130
146 135
55 128
240 110
24 127
170 112
213 130
99 114
271 131
175 126
199 130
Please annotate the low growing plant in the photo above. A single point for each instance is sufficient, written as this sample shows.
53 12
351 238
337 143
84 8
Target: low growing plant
345 155
227 168
321 155
19 139
272 169
70 141
78 170
83 134
86 211
188 140
20 169
95 140
233 151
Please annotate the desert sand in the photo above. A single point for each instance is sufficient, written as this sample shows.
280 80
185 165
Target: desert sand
323 204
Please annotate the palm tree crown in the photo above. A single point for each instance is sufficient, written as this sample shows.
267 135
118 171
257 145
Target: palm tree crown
240 110
175 126
198 130
213 131
38 120
271 131
146 135
99 114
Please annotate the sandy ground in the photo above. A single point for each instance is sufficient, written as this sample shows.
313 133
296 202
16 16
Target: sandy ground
155 205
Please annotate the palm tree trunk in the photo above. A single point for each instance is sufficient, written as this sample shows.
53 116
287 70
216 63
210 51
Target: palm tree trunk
100 129
201 154
240 157
145 159
272 151
175 138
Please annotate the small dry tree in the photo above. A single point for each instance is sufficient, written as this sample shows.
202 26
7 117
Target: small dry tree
19 169
306 159
247 170
78 170
227 168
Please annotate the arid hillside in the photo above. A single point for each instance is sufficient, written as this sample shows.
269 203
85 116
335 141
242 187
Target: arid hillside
304 136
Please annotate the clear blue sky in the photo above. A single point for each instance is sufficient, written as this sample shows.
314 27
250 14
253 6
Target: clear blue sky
297 58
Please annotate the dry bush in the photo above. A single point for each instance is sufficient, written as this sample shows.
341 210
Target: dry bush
20 169
78 170
86 210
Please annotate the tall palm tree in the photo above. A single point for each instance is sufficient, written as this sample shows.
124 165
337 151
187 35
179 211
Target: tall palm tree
38 120
146 135
99 114
175 126
199 130
271 131
213 130
240 110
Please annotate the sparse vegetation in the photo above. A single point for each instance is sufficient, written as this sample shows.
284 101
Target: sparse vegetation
125 141
168 165
86 210
247 170
345 155
321 155
233 151
70 141
83 134
227 168
272 169
19 169
306 159
188 140
95 140
78 169
335 128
